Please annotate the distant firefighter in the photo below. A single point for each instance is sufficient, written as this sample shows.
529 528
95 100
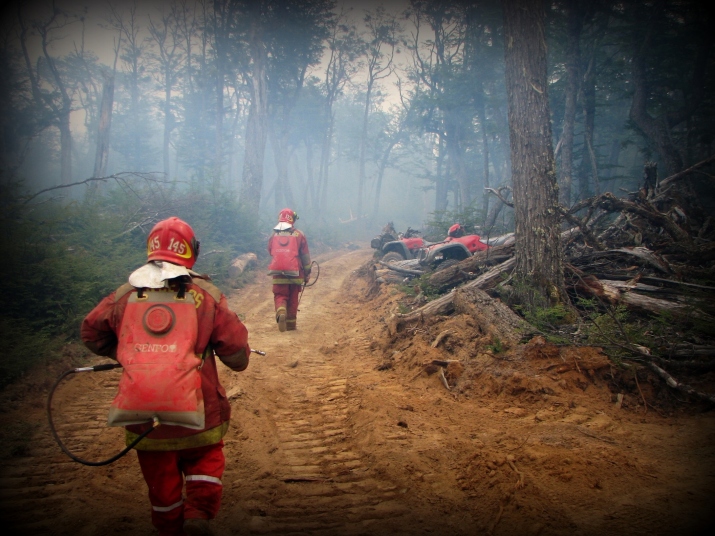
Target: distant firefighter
290 267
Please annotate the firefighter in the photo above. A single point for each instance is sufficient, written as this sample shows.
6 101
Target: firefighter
173 454
290 268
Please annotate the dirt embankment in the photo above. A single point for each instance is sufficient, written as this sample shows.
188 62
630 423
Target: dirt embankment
341 430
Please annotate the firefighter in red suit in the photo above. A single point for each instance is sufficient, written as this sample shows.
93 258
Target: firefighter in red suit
172 455
290 268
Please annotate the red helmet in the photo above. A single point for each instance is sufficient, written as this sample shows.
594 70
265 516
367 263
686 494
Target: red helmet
287 216
173 240
456 231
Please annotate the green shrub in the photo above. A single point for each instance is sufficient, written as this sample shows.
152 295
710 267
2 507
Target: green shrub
61 258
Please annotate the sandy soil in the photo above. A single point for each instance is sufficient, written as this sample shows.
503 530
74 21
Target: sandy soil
341 430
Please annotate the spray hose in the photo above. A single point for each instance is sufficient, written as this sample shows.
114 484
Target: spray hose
317 275
306 285
96 368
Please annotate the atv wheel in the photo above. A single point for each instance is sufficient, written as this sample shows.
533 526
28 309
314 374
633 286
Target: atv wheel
391 257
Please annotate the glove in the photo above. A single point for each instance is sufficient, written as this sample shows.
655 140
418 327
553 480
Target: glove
306 277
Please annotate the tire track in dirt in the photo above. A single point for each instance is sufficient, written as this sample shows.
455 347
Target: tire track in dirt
317 481
42 484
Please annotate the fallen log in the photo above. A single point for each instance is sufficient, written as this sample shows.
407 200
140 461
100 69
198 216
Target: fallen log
241 263
405 271
444 305
616 293
641 253
670 283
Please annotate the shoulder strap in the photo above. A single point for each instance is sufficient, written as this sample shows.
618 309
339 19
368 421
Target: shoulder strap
212 289
121 291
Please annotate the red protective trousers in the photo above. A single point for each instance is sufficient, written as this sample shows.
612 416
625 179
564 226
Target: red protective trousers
164 473
287 297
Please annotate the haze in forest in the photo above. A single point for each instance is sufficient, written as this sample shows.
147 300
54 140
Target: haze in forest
628 83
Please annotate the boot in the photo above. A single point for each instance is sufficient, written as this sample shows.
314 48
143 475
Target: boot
281 319
197 527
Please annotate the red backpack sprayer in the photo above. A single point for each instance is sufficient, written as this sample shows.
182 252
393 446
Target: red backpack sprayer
155 418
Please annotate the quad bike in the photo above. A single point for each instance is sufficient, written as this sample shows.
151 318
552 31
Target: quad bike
449 252
394 246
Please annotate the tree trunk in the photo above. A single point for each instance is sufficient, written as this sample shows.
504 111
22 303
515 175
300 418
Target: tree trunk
101 158
283 193
65 146
381 172
325 154
572 73
363 147
456 158
535 190
482 117
650 127
256 133
441 189
311 189
590 166
168 127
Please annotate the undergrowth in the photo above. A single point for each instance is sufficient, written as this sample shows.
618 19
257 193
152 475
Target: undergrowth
61 257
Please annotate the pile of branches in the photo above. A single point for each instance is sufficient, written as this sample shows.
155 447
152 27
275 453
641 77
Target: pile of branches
649 253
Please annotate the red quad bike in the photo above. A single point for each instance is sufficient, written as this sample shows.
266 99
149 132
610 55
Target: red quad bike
456 247
398 246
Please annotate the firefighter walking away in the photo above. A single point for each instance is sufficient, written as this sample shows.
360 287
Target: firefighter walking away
290 267
165 326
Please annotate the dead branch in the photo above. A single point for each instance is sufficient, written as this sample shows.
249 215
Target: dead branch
588 236
443 378
644 209
668 180
121 177
640 252
520 482
499 195
441 337
675 384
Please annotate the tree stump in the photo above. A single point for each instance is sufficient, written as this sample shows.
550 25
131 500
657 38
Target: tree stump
492 317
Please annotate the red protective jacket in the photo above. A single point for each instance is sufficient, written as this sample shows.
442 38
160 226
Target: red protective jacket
217 326
303 255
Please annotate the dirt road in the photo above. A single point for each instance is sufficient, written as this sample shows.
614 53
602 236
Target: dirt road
324 443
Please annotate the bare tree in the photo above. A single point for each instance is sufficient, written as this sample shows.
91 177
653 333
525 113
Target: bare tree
169 56
57 102
256 128
345 49
382 38
132 56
